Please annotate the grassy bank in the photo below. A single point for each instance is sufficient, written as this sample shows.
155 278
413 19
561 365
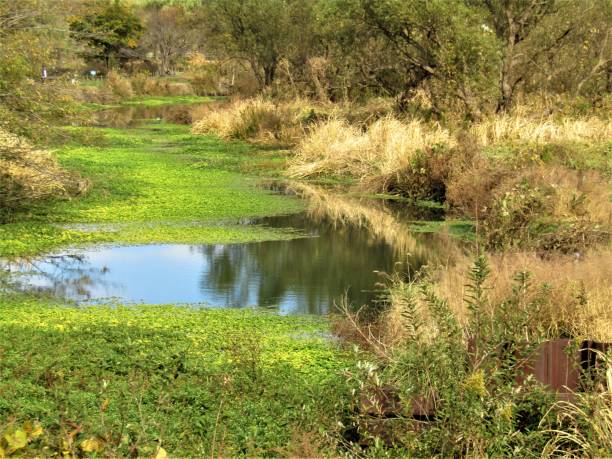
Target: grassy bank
533 179
156 183
126 381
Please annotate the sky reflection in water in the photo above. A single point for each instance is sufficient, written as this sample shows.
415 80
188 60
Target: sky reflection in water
300 276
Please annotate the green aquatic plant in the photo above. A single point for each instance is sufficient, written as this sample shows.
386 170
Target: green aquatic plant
195 381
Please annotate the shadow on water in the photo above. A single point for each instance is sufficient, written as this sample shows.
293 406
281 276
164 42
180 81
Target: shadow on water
346 243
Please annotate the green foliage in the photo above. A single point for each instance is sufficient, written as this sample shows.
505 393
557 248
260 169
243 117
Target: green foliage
261 32
120 381
30 33
108 27
155 174
470 385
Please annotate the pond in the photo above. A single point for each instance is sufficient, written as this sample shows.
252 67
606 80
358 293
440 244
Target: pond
307 275
135 115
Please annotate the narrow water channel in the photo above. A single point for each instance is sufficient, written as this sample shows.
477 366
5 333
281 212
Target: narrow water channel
347 246
307 275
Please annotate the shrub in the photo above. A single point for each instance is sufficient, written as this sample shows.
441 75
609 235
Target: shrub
456 374
390 156
550 208
253 119
422 355
28 176
119 85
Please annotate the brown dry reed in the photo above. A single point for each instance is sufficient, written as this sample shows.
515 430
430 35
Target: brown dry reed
29 175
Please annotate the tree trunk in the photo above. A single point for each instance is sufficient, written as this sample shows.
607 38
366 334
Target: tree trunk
506 83
269 73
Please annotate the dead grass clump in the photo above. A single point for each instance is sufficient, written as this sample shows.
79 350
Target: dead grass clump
119 85
586 420
388 156
519 128
578 289
144 84
28 175
549 208
256 119
471 179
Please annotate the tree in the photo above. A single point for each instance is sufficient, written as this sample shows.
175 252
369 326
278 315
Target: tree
108 27
438 45
32 34
580 63
261 32
513 21
169 35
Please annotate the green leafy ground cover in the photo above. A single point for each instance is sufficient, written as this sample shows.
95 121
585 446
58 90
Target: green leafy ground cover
161 184
128 381
123 381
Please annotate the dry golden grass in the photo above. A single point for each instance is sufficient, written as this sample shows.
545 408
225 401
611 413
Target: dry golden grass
519 128
592 409
256 119
389 145
580 289
119 85
28 174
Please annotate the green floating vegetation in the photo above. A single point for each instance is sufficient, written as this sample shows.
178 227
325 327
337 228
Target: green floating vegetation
151 101
22 240
162 184
156 101
462 229
197 382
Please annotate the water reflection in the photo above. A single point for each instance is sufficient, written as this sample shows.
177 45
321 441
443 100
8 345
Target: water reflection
132 116
304 275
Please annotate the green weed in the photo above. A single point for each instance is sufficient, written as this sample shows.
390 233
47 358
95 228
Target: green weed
124 381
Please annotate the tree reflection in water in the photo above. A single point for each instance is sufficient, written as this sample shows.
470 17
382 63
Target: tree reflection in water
351 239
62 276
346 241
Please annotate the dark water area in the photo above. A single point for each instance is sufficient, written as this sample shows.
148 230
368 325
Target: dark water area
136 115
307 275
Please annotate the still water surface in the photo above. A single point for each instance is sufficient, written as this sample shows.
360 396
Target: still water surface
300 276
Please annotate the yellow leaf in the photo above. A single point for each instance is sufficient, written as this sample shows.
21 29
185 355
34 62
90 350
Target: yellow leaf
104 405
161 454
91 445
16 440
2 454
36 431
33 430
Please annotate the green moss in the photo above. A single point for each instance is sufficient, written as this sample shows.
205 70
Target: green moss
198 382
19 240
156 101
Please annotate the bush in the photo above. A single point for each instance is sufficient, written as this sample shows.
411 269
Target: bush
550 208
254 119
463 376
29 176
119 85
